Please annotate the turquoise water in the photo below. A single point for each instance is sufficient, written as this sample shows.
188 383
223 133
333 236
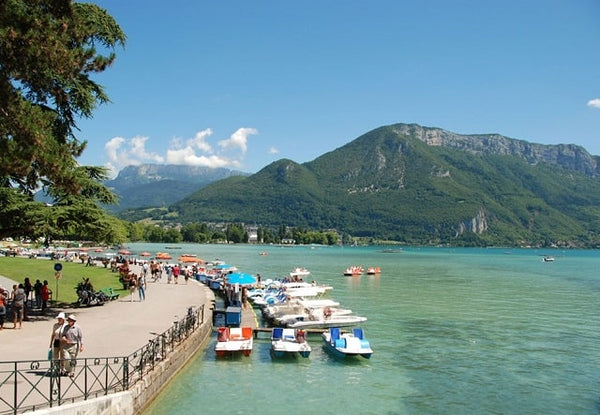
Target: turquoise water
469 331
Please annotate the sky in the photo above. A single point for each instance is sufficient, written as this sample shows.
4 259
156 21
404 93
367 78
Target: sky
240 84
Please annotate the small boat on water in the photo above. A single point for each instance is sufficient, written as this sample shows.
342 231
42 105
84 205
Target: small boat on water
163 256
373 270
347 344
234 340
548 259
299 273
289 342
354 270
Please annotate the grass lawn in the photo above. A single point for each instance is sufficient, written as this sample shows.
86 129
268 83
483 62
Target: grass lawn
71 274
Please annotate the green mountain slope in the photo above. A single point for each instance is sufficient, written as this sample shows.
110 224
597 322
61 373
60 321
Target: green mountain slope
420 185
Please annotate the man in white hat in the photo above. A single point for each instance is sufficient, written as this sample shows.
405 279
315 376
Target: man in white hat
72 341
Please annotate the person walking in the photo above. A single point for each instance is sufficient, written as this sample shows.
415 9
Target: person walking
141 286
18 304
132 285
37 291
72 344
56 344
45 296
2 307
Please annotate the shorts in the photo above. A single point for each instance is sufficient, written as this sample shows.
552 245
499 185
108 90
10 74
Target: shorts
18 312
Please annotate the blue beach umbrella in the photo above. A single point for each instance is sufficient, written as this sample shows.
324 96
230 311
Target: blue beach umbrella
239 278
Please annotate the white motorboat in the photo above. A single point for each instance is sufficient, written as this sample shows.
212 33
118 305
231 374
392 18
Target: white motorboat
331 321
289 342
299 273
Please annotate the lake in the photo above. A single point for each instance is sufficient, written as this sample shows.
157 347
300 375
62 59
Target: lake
469 331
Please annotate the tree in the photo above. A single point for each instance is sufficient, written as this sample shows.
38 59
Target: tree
47 55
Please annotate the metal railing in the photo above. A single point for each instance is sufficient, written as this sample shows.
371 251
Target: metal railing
28 385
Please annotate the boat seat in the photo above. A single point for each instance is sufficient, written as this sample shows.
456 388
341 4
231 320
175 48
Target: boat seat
289 334
247 332
277 333
334 332
358 333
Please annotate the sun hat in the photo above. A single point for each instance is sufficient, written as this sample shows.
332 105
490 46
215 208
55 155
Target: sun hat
72 317
61 315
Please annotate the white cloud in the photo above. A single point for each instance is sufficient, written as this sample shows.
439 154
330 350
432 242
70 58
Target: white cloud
239 139
594 103
273 150
186 156
123 152
196 151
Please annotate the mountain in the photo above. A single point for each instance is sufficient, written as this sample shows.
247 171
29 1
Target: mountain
420 185
161 185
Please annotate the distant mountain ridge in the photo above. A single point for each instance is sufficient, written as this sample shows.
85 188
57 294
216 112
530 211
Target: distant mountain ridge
162 184
418 185
569 156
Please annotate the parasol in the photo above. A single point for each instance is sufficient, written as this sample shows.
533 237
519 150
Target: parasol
239 278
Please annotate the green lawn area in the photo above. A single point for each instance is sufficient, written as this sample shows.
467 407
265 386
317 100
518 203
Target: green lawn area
71 274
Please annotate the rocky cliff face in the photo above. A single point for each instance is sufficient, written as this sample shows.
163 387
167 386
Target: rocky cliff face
568 156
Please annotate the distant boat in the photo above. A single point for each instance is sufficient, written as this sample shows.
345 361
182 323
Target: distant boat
548 259
354 270
373 270
299 273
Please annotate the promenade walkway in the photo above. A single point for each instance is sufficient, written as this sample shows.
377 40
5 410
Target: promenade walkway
116 328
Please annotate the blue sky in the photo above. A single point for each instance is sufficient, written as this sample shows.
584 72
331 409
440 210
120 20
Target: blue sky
240 84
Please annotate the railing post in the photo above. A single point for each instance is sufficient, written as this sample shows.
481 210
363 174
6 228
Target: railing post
15 390
126 373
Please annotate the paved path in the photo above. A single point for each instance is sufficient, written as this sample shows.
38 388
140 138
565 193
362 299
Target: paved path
116 328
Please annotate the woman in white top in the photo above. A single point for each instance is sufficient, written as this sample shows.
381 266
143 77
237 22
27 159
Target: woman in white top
56 344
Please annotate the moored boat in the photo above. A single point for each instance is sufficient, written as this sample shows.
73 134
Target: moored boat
286 341
234 340
354 270
323 322
299 273
347 344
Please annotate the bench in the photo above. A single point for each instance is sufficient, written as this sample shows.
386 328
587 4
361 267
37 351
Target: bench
109 292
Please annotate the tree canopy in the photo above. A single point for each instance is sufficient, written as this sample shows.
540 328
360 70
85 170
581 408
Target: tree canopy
48 52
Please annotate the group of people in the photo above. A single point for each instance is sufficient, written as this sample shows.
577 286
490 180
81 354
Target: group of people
21 299
66 342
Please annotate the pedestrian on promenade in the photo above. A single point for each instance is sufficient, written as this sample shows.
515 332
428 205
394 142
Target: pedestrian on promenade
18 303
37 290
141 286
72 343
56 344
176 272
28 287
169 274
132 284
2 307
45 296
